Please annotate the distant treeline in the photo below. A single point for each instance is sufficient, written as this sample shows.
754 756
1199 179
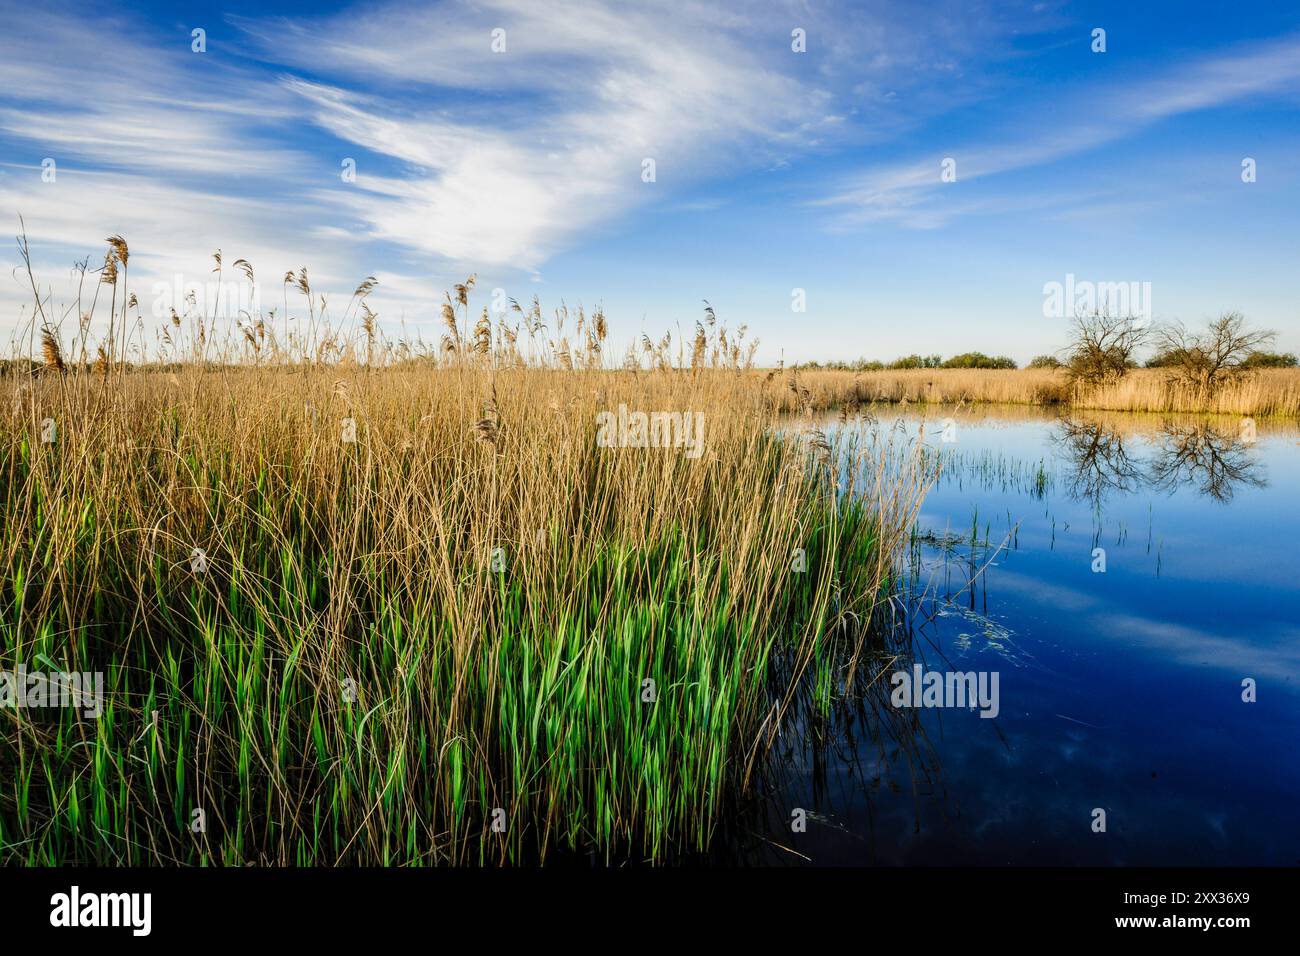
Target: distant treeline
980 360
1174 358
965 360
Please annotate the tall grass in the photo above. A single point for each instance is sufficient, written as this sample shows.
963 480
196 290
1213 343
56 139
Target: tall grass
470 636
1260 393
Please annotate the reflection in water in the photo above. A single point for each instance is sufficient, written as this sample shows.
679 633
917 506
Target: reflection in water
1196 455
1211 461
1119 690
1099 461
851 749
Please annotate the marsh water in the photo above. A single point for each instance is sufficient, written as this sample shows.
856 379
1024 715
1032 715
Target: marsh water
1132 581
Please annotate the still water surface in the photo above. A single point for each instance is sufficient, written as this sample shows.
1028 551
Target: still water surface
1120 690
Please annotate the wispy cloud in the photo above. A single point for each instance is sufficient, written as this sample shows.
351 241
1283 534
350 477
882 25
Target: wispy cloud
466 158
584 95
473 160
912 193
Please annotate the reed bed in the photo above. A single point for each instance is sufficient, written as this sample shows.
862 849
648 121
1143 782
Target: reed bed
468 635
1263 393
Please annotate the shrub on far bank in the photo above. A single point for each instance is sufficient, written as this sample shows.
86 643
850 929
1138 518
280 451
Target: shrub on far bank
1162 360
964 360
1044 361
917 361
978 360
858 365
1271 360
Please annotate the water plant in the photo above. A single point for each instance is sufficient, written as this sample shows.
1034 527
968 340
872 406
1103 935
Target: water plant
412 613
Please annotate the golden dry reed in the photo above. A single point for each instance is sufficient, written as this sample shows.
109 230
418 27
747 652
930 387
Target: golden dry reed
1261 393
358 602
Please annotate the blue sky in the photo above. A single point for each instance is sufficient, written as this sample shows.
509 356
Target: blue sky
774 170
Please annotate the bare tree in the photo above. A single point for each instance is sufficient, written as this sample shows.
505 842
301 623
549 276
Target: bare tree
1103 346
1206 361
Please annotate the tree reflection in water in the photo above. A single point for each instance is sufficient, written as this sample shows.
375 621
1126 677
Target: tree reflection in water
1099 462
1197 455
1214 462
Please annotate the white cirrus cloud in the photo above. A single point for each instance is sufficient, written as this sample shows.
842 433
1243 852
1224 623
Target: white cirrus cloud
585 94
912 193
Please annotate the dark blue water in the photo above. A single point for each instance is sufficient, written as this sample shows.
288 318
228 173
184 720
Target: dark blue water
1120 690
